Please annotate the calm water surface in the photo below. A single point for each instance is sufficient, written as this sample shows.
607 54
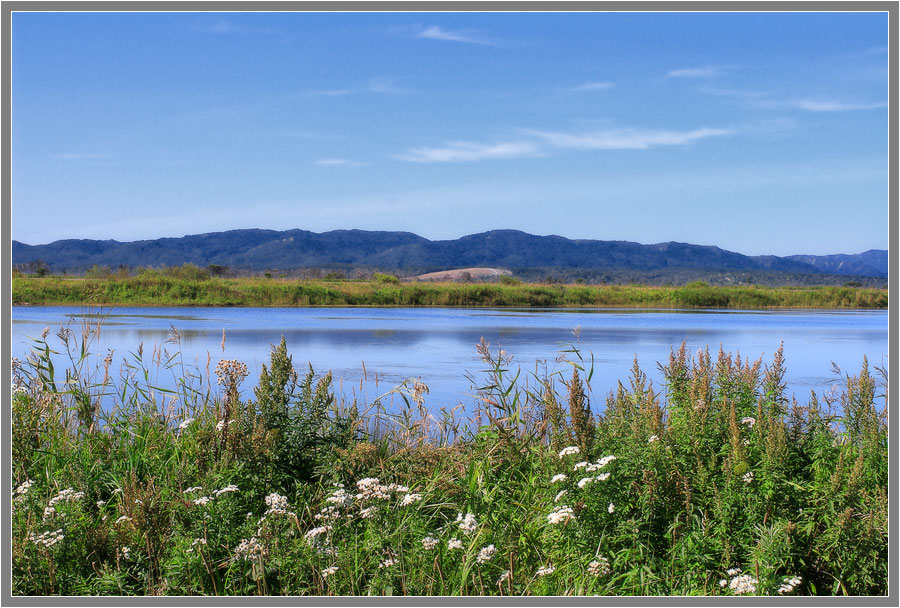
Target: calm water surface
438 344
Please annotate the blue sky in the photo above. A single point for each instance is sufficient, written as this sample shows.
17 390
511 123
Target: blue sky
756 132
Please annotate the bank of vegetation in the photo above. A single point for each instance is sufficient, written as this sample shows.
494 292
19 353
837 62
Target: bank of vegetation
157 289
719 484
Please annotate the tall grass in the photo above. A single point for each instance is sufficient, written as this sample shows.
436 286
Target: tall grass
718 483
155 290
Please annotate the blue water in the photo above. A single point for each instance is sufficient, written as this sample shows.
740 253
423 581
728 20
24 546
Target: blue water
437 345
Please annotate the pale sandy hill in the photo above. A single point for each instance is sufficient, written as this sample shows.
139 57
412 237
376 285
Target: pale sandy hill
458 273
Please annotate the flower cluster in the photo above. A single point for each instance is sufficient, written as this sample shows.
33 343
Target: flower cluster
249 549
743 584
545 570
503 578
467 524
329 571
560 495
652 439
47 539
278 505
748 477
748 420
187 422
22 490
561 515
789 584
486 554
387 563
454 543
226 490
559 477
410 499
230 371
572 449
192 490
599 567
202 501
429 542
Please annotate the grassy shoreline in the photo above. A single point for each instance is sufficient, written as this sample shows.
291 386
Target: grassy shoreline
168 291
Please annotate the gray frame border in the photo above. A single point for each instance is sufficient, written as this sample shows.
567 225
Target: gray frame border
8 7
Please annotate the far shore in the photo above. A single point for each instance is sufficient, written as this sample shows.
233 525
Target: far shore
262 292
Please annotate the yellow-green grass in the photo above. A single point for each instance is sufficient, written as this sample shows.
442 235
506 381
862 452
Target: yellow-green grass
167 291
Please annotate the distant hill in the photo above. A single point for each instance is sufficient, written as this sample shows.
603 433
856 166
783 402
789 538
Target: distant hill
409 254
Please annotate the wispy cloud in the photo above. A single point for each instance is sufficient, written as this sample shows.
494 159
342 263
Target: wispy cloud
384 86
339 162
626 139
435 32
541 142
466 151
699 72
591 86
818 105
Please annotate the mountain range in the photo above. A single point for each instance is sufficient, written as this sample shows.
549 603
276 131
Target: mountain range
257 250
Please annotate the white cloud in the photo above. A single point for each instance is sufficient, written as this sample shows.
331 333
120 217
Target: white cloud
592 86
626 139
464 151
700 72
615 139
374 85
435 32
825 105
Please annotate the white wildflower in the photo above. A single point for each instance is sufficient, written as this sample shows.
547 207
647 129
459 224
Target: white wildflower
429 542
278 505
23 489
572 449
187 422
743 584
544 571
723 582
748 420
126 552
410 499
652 439
599 567
454 543
733 571
249 549
47 539
329 571
313 534
202 501
560 495
748 477
559 477
602 477
192 490
585 481
101 504
388 563
789 584
123 518
611 507
226 490
467 524
561 515
605 461
486 554
580 465
503 578
368 512
220 425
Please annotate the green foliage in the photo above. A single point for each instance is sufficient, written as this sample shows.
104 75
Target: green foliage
716 477
381 277
169 287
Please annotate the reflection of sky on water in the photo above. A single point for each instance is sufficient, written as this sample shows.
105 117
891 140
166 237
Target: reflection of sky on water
438 345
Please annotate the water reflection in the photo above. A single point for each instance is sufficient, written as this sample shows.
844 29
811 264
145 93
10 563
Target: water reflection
438 345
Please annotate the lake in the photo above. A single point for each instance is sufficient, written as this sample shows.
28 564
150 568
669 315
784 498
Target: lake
370 350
